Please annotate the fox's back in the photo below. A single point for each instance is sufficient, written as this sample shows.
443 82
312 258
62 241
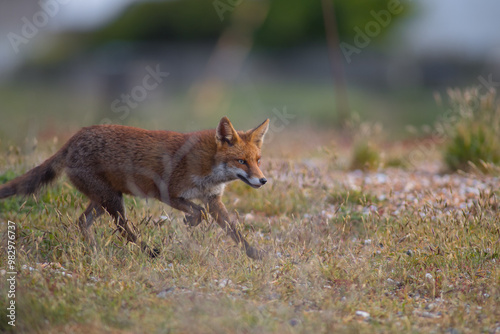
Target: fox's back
120 146
133 160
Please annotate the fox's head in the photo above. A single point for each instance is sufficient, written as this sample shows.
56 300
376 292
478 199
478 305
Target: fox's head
238 153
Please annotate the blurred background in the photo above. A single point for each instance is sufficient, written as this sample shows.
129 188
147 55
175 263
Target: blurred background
183 64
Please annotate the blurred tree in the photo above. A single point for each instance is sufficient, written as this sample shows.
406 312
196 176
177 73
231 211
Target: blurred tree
247 24
164 20
291 22
288 23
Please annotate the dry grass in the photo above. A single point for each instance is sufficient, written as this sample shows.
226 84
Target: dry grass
417 251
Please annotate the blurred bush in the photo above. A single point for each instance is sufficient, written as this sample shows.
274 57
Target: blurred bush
473 129
365 152
365 156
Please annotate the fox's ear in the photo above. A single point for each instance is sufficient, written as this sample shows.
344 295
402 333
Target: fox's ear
225 132
257 134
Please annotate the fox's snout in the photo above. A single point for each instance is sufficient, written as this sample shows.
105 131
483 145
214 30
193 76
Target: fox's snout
254 182
260 182
256 178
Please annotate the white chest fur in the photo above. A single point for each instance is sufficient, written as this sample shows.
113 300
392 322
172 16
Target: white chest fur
209 185
200 193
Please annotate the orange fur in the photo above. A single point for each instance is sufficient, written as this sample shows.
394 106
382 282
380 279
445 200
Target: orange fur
106 161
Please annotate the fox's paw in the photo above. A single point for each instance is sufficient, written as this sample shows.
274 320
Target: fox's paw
152 252
256 254
193 220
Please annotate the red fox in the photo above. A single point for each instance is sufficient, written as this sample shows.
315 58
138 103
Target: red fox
106 161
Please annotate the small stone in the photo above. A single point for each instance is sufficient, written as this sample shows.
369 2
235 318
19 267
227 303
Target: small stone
249 217
392 282
225 282
363 314
166 292
429 315
452 331
430 306
274 296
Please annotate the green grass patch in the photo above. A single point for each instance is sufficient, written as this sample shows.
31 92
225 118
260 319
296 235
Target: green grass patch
474 131
365 156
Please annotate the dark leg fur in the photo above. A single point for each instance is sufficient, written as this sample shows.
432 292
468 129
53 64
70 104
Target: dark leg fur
219 212
85 221
195 214
103 197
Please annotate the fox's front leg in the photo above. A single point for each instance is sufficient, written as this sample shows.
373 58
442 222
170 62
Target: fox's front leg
195 214
220 214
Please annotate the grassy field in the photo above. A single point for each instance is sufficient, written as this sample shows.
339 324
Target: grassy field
396 250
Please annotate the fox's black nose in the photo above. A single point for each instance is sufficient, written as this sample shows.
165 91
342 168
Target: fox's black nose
263 181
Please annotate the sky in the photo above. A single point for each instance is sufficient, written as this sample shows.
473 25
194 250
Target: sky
86 14
469 28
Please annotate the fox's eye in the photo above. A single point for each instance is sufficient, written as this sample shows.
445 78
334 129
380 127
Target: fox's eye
241 161
258 161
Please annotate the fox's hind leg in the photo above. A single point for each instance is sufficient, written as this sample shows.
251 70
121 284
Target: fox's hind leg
93 211
104 197
114 206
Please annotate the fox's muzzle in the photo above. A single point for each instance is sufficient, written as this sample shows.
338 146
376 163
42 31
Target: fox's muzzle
253 181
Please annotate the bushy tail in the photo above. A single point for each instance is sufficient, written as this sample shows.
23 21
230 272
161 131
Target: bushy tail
33 180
